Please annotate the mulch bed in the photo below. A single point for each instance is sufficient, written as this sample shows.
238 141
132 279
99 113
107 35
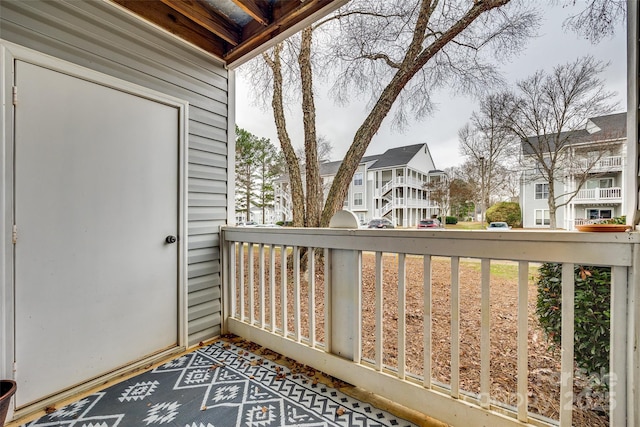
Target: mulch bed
590 406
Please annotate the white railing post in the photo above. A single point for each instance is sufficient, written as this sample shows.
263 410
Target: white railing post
566 357
346 284
617 348
633 337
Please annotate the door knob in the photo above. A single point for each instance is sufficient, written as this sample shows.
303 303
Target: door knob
171 239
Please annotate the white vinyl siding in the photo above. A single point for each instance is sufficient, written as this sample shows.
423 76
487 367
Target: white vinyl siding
99 36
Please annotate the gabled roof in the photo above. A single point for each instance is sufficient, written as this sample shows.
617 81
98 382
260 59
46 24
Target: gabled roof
601 128
399 156
233 30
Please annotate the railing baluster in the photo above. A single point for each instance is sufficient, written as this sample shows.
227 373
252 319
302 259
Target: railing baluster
379 313
357 326
618 353
327 301
455 327
402 316
283 290
523 339
232 278
252 302
272 287
261 283
485 334
296 293
312 291
566 358
241 272
427 321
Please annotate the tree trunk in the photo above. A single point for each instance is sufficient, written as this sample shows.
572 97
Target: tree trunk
248 194
314 187
552 206
295 179
415 58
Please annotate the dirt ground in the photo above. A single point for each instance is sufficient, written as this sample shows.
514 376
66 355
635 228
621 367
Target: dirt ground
590 406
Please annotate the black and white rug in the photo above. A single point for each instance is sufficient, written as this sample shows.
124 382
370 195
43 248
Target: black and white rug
220 385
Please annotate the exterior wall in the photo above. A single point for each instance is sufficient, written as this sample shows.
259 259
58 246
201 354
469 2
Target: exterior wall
529 204
99 36
422 161
566 216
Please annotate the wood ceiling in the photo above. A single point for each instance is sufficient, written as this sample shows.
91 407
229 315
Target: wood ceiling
233 30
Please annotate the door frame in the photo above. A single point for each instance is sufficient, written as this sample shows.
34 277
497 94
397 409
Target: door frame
9 53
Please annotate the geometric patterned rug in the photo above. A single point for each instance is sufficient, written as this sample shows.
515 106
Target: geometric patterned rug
220 385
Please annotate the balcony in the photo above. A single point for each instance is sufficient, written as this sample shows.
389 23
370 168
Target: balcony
398 182
345 333
605 164
599 195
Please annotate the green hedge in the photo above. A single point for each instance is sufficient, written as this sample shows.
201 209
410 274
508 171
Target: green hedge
592 312
449 219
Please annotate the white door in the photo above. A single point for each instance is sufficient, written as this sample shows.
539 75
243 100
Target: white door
96 194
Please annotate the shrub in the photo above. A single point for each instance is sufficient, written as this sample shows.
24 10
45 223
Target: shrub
508 212
448 219
592 312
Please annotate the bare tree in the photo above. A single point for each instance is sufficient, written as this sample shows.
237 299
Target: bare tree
545 112
404 50
401 50
274 62
438 188
487 144
598 19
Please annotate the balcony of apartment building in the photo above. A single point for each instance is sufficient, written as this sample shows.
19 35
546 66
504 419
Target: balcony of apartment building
411 315
600 190
605 164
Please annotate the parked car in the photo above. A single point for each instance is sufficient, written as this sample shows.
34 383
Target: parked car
247 224
380 223
498 226
429 223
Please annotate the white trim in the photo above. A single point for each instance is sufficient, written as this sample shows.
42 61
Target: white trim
231 148
10 52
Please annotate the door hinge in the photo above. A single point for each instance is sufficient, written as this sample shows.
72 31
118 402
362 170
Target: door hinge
14 234
15 95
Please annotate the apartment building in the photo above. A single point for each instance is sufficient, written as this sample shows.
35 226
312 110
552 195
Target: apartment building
394 185
599 150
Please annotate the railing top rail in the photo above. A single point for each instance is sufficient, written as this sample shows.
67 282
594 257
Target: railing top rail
613 249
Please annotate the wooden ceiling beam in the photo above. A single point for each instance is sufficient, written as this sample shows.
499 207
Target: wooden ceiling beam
257 9
206 18
286 15
175 23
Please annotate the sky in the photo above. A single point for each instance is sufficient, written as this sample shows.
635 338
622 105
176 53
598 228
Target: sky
552 47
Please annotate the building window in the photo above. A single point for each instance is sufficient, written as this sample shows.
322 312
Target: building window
542 191
599 183
357 199
542 217
357 178
599 213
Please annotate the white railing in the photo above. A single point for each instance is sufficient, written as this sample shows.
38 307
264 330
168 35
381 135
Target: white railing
610 163
594 194
386 208
421 203
385 188
344 332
